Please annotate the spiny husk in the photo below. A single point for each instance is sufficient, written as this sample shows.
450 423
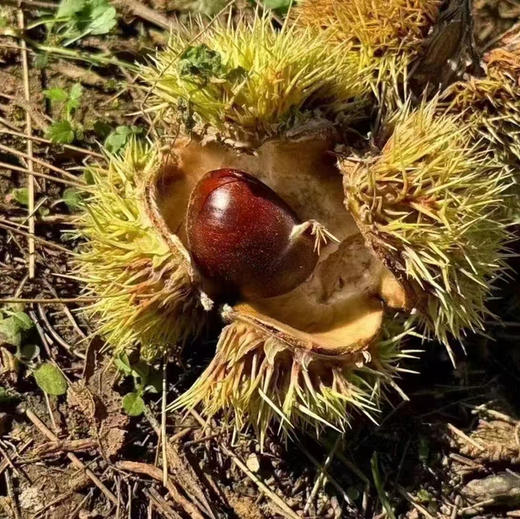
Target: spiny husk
380 25
386 34
491 105
256 380
146 296
259 81
432 207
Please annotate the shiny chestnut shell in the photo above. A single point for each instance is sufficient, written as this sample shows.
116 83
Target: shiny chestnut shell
239 236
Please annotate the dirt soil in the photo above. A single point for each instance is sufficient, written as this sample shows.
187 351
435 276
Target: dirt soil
451 450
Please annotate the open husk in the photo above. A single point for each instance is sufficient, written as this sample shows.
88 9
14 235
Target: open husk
416 206
312 339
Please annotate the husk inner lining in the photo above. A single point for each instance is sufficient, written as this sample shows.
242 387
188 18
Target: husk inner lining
339 308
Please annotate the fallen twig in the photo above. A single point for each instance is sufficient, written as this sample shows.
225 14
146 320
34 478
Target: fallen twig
9 462
161 504
48 301
321 475
6 463
51 447
11 496
32 3
414 503
146 13
72 457
465 437
156 473
56 336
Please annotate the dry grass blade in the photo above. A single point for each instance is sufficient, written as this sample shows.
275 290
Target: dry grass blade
29 145
5 464
465 437
320 480
414 503
32 3
66 310
12 167
54 334
378 483
330 479
47 301
163 436
12 496
39 161
9 462
47 141
8 227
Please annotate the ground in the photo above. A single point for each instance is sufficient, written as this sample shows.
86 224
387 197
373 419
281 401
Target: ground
452 449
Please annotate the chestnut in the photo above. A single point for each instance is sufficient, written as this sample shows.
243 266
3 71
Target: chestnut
244 239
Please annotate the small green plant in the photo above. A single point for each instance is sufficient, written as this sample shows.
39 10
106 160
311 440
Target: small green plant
65 130
133 404
16 329
200 64
8 397
76 19
50 379
7 27
73 199
146 380
19 195
117 139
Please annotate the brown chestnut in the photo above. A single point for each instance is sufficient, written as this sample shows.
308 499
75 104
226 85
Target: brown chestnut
245 239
